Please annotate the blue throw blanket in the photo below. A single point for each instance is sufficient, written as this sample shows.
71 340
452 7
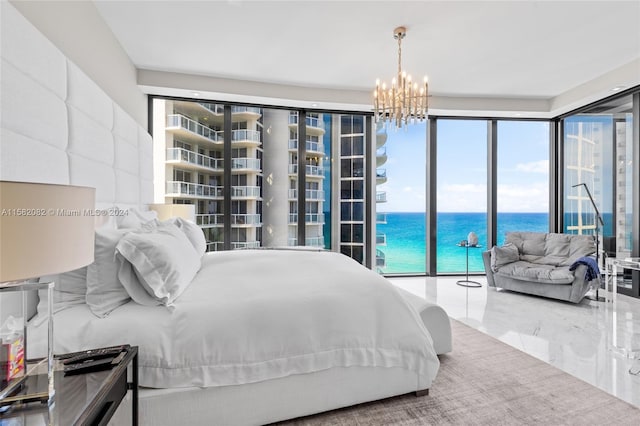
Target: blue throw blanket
593 271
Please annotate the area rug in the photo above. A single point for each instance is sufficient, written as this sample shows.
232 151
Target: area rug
487 382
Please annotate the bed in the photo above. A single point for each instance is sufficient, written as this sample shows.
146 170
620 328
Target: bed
243 334
62 128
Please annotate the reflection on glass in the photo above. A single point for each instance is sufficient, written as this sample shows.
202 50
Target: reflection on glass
598 152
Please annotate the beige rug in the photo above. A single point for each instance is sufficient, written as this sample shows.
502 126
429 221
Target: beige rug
486 382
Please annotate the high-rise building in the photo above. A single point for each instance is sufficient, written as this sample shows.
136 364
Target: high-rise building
270 163
189 166
381 196
190 169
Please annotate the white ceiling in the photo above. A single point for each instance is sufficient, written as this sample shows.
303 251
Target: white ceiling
537 51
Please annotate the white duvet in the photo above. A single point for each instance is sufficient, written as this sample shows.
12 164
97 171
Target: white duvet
255 315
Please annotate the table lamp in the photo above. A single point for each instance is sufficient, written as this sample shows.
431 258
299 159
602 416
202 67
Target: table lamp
167 211
45 229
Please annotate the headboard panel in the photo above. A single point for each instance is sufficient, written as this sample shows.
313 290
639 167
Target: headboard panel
58 126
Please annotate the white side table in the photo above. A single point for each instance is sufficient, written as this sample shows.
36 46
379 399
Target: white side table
622 337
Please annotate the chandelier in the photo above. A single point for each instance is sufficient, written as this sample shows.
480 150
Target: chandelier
403 101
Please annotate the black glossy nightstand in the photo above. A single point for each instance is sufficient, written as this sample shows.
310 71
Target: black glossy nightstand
85 399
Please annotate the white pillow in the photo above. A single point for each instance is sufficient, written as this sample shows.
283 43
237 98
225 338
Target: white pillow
134 219
70 290
163 262
501 256
104 291
193 232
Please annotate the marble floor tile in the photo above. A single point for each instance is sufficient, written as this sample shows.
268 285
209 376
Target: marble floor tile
579 339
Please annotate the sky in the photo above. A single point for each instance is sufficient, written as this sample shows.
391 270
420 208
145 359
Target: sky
523 163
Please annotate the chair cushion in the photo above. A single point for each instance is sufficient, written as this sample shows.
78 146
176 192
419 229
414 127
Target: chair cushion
527 271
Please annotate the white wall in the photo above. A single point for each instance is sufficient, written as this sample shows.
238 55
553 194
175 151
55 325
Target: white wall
76 28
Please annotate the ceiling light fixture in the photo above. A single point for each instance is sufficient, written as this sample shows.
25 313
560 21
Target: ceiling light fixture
402 101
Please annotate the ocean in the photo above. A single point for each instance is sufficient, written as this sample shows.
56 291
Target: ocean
405 251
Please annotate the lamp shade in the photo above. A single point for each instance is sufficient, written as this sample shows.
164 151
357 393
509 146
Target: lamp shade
167 211
45 229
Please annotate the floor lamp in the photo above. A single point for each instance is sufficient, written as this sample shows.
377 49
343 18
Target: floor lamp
598 221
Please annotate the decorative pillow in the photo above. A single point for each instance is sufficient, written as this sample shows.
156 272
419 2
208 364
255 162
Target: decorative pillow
163 262
193 232
135 218
501 256
104 291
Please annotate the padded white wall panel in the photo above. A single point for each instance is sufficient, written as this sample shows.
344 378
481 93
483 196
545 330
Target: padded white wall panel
86 96
145 147
58 126
89 138
127 187
34 55
87 172
32 110
126 155
124 126
28 160
145 152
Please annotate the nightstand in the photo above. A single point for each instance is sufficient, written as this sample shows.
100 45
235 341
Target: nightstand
85 399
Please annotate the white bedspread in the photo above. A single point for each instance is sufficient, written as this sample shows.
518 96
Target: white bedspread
255 315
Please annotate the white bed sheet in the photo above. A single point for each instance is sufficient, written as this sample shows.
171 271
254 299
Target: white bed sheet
256 315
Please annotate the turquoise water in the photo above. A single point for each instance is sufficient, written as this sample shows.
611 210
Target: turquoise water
405 251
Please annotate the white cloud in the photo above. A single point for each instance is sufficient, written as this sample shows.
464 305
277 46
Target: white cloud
531 197
465 188
541 166
407 189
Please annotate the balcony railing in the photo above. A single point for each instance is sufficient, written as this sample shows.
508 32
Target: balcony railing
245 163
380 259
310 121
381 218
245 191
178 188
246 219
186 156
209 219
309 241
240 109
381 173
245 135
310 145
180 121
235 245
381 239
313 218
214 108
310 170
381 197
310 194
236 219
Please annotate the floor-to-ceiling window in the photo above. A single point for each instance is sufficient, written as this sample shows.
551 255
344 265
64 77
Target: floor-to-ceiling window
598 178
522 191
401 198
263 177
461 193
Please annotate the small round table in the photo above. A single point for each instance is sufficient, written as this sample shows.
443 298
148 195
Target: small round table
467 282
